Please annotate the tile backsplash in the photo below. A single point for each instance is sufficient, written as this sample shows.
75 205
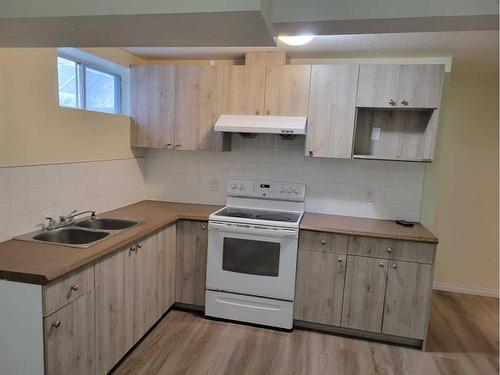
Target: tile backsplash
29 194
364 188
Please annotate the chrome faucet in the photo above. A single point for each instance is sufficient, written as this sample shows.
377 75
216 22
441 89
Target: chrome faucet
68 219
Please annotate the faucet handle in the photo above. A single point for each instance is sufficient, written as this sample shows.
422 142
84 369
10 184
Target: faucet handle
52 222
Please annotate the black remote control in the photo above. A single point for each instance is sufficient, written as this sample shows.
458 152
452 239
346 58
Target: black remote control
405 223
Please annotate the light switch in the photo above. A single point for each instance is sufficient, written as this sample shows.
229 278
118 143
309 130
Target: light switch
375 133
369 195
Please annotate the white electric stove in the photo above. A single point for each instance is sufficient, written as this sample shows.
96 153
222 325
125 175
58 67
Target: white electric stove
252 253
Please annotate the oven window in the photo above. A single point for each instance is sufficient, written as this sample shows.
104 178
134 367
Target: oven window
252 257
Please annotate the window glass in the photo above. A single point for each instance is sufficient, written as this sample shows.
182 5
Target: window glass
69 83
101 91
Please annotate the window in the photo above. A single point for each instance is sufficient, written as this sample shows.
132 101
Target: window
88 87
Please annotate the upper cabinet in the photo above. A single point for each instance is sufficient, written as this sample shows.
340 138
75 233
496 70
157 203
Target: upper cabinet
176 106
400 86
332 108
281 90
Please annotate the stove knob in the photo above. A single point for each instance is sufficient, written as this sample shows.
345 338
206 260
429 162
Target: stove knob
234 186
290 190
242 187
282 189
296 190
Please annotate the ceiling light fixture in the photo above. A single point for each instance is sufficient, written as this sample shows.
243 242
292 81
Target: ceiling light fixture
297 40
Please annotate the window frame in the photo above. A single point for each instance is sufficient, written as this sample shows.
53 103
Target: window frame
82 86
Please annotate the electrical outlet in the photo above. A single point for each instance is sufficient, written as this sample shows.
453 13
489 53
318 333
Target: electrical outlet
369 194
214 183
375 133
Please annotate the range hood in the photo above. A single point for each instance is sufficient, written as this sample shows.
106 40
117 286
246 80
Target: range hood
285 125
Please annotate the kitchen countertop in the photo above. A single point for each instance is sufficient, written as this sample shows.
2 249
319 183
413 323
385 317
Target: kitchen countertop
40 263
366 227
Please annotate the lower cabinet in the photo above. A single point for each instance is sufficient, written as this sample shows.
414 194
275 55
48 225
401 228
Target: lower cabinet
134 288
369 293
69 338
364 293
319 287
191 269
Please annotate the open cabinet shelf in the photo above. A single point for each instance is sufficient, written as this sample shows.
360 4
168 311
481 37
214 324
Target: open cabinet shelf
395 134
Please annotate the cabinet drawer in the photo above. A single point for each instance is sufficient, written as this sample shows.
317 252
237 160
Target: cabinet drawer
322 241
411 251
66 289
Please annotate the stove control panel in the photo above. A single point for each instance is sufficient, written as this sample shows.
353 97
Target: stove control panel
266 189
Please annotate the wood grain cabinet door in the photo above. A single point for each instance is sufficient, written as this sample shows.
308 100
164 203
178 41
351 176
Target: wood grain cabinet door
198 106
319 287
287 90
419 86
332 108
378 86
364 293
114 308
407 299
191 260
244 89
166 240
152 94
69 338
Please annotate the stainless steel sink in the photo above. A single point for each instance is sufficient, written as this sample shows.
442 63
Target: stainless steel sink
106 224
71 236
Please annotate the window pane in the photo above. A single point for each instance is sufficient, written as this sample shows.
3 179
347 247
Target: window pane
69 83
101 91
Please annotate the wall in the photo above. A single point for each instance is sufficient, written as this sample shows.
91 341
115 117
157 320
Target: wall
29 194
460 203
333 185
35 130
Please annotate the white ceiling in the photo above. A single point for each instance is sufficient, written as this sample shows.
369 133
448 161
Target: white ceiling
476 50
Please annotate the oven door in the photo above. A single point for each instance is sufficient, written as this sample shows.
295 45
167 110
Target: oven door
252 259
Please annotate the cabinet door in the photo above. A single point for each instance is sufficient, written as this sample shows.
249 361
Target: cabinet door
319 287
152 96
198 105
244 89
69 338
378 85
332 108
166 240
419 86
407 299
114 286
364 293
145 286
191 260
287 90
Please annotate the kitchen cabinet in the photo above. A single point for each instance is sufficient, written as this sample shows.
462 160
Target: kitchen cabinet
191 260
176 106
364 293
407 299
281 90
134 288
69 338
319 287
400 86
152 102
332 109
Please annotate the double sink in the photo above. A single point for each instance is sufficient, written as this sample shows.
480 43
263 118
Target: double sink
80 234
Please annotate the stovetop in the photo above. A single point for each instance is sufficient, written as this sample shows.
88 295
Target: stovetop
254 214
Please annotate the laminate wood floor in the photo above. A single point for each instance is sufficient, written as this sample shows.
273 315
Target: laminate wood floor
463 339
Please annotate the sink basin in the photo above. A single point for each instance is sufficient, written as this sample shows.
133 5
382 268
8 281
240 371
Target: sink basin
106 224
70 236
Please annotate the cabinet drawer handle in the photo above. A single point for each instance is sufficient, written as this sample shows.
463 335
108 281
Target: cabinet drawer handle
391 102
310 152
74 287
268 111
133 249
381 264
323 242
257 111
395 266
404 102
178 146
139 245
340 260
203 226
56 324
389 250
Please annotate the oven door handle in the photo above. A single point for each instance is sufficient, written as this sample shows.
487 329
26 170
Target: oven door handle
250 229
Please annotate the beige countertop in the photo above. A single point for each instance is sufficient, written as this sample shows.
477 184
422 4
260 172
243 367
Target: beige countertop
39 263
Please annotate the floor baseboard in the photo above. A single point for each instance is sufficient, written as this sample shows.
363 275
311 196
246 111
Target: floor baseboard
485 292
